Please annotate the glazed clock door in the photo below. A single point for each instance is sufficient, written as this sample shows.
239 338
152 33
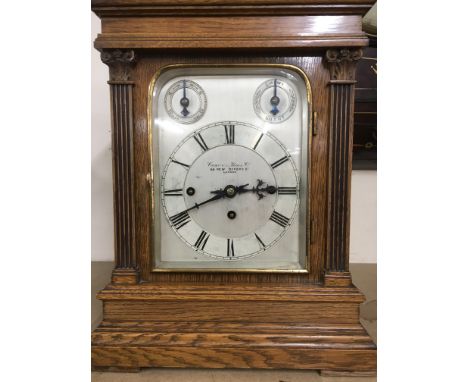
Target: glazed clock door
230 168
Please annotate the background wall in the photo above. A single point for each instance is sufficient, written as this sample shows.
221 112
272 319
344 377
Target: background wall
102 231
363 195
363 217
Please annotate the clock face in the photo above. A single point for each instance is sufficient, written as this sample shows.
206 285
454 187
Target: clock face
223 195
230 169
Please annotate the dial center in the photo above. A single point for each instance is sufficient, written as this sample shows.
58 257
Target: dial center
230 191
233 171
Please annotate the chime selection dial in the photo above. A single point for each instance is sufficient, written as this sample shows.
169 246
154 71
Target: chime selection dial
274 100
185 101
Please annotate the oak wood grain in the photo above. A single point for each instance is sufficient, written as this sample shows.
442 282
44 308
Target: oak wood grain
245 32
204 291
235 28
112 8
280 311
291 357
142 326
212 344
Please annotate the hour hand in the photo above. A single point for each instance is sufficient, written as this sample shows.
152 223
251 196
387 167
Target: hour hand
261 190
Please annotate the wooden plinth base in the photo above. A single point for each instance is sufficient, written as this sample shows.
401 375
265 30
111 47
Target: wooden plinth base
232 326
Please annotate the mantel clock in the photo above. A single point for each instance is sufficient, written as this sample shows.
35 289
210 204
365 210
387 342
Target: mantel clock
231 136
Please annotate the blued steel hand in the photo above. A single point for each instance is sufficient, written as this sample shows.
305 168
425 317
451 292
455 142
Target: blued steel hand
259 191
198 205
274 101
184 102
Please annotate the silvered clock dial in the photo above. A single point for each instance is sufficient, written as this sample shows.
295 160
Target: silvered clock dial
230 190
230 175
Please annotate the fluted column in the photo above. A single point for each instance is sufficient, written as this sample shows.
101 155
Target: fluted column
342 66
120 64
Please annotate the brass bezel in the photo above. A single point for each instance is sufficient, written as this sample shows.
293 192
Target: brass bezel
152 83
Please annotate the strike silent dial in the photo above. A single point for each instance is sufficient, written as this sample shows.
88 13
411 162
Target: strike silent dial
274 100
185 101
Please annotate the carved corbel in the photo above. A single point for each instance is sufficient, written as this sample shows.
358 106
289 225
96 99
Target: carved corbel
342 63
120 64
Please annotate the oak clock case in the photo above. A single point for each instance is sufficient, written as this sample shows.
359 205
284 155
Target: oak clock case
230 168
232 131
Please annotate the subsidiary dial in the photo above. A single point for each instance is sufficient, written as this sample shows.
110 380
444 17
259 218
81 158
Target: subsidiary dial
185 102
274 100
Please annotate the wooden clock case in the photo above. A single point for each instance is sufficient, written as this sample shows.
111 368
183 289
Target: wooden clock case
233 320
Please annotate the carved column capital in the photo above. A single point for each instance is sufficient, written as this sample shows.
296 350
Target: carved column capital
120 63
342 63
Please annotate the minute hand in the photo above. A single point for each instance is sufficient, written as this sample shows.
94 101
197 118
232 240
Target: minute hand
197 205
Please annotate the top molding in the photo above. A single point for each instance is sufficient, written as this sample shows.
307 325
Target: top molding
240 24
143 8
